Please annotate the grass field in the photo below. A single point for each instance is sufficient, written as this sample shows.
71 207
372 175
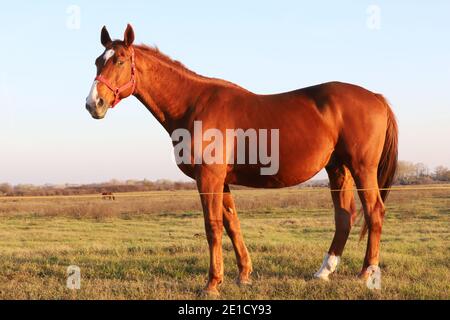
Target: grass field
152 246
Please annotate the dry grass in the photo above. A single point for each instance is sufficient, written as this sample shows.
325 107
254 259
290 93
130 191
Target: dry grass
152 246
155 203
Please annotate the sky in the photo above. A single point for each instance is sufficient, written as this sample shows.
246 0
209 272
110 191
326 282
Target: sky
398 48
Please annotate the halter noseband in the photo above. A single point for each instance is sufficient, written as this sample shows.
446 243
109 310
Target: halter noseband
118 90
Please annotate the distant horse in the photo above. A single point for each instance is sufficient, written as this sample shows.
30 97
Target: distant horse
108 196
348 130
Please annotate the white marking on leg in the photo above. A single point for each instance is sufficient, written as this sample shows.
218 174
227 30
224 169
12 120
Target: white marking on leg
108 54
92 98
329 265
374 279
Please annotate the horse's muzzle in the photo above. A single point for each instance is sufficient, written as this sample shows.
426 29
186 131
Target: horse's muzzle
93 112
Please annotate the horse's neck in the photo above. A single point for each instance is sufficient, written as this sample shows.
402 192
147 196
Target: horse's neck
165 90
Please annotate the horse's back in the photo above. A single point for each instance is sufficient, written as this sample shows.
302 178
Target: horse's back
334 107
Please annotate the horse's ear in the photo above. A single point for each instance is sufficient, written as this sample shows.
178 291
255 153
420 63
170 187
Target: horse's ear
105 38
128 37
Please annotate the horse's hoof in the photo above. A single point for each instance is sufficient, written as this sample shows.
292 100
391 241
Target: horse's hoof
210 293
329 265
363 275
321 276
244 282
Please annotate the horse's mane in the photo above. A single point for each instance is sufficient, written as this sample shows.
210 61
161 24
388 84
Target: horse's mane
155 52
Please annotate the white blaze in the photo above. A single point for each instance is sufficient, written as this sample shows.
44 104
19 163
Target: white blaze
92 98
108 54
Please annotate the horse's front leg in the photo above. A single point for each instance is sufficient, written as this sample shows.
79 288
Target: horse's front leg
210 187
233 228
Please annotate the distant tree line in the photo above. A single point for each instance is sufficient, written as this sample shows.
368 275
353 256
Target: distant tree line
408 173
113 186
418 173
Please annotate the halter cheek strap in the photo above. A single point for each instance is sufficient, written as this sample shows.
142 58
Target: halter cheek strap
118 90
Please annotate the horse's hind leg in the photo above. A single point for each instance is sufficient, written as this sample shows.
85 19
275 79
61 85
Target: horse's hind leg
374 210
233 228
341 184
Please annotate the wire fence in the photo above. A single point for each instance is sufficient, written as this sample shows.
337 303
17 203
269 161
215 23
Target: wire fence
190 193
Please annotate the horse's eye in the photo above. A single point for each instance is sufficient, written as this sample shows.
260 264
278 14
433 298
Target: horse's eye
119 62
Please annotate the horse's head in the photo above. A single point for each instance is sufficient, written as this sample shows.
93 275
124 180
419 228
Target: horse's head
115 78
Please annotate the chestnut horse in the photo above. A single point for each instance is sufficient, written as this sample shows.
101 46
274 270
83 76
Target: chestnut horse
348 130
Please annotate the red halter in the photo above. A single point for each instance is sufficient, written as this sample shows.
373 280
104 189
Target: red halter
118 90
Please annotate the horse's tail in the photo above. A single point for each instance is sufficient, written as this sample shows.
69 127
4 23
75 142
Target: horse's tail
389 158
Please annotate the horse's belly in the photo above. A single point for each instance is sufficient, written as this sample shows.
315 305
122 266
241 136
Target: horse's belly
296 165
